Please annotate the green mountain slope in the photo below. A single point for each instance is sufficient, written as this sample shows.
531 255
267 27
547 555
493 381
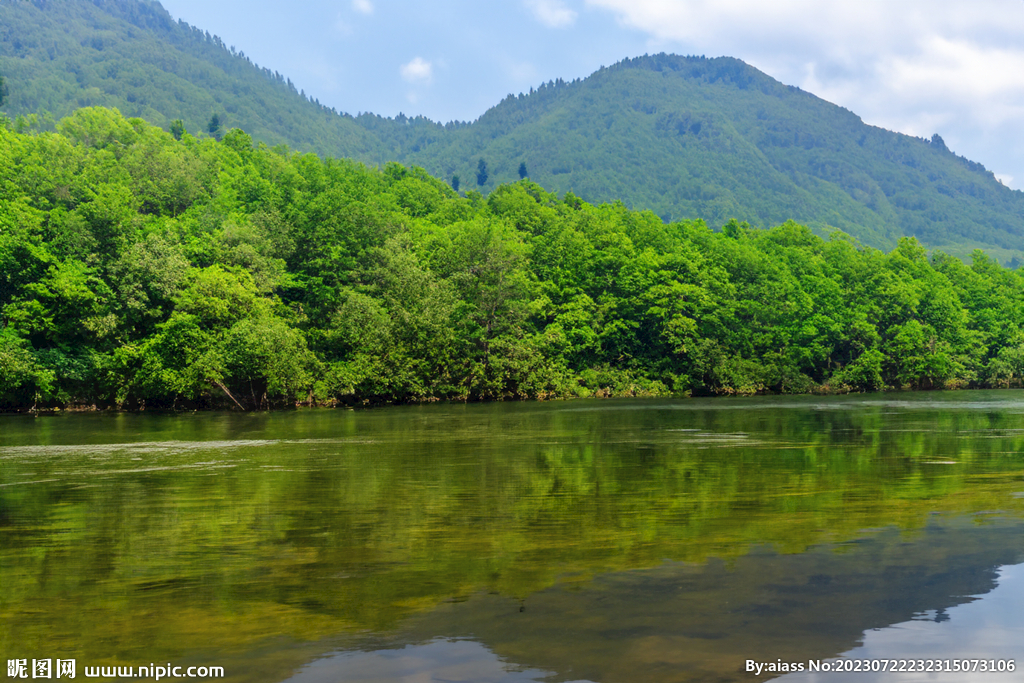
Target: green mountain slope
718 139
60 55
683 136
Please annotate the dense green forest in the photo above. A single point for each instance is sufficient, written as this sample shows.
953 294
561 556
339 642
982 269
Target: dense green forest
138 269
60 55
685 137
692 137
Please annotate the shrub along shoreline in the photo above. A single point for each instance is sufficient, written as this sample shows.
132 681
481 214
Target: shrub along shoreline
141 270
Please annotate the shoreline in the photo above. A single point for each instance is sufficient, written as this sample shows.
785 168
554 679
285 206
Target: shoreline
367 404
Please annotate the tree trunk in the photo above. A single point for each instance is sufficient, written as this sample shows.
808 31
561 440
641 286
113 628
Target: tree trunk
225 390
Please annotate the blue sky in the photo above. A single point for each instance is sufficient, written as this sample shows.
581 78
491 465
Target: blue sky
918 67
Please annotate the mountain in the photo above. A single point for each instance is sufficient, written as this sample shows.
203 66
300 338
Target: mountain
682 136
59 55
716 138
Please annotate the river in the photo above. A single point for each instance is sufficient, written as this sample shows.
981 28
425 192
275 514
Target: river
604 541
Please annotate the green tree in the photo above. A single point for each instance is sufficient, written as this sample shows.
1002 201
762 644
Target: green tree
522 170
22 380
218 297
266 359
181 360
214 126
481 173
3 91
177 128
101 128
1007 368
455 183
135 267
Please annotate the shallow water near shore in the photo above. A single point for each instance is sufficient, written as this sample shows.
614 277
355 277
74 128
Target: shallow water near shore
644 540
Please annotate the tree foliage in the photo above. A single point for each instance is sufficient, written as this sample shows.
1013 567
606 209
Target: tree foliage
177 128
134 56
481 173
136 269
685 137
213 127
689 137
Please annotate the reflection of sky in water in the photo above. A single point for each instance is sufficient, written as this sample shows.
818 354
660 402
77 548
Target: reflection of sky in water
988 628
454 661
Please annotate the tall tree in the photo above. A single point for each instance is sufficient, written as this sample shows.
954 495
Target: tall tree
522 170
455 183
177 128
3 91
214 126
481 173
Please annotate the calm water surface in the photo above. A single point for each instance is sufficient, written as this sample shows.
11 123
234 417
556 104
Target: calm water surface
579 541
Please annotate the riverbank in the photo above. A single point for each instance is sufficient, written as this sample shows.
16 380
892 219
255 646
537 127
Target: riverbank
360 403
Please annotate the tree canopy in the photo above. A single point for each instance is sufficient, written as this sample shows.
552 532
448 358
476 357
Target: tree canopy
686 137
140 269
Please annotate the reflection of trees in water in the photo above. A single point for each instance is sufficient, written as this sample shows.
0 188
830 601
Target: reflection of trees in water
685 622
396 511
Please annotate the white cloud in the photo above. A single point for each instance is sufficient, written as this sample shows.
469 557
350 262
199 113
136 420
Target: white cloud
916 66
418 71
989 623
551 13
362 6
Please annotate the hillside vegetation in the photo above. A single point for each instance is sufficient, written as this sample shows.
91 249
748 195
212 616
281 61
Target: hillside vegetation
715 138
137 269
60 55
685 137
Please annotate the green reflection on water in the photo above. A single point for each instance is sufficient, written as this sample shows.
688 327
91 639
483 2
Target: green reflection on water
256 539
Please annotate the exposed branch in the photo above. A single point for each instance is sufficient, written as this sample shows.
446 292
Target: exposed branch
225 390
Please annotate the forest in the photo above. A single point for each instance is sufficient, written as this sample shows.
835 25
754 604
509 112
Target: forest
684 136
140 270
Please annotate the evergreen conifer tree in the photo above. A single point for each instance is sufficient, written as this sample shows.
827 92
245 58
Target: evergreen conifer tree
214 126
177 128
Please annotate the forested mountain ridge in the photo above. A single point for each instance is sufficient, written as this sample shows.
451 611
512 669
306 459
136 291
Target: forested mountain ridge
141 270
59 55
686 137
715 138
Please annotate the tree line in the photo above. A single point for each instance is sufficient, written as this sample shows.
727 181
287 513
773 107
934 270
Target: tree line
142 270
